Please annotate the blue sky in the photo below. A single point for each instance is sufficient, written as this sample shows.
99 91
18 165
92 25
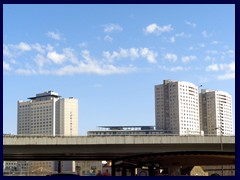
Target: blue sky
111 56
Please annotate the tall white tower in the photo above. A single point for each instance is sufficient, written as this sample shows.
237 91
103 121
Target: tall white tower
177 108
216 112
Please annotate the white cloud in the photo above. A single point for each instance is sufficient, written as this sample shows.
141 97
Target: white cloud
131 53
123 53
190 24
55 57
212 67
209 58
69 55
215 42
155 29
83 45
186 59
175 69
231 53
201 45
150 55
229 70
205 34
86 55
6 66
191 48
23 46
49 47
54 35
226 76
110 57
93 68
108 38
179 68
40 60
213 52
183 34
172 39
112 27
6 51
171 57
38 48
134 53
26 71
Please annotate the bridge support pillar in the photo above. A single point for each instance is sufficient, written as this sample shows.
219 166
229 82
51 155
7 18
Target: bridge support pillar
113 168
124 171
174 171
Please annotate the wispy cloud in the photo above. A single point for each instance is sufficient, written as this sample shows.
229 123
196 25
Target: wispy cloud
175 68
205 34
212 52
23 46
209 58
215 42
190 24
212 67
83 45
108 38
70 55
38 47
172 39
6 51
155 29
26 72
183 34
226 76
171 57
6 66
228 69
40 60
112 27
131 53
187 59
201 45
54 35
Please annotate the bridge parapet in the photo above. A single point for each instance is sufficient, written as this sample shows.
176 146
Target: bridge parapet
74 140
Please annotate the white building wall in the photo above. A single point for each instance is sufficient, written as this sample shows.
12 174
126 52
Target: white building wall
218 112
177 107
47 114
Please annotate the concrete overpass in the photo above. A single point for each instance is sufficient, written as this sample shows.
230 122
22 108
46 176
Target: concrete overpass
113 147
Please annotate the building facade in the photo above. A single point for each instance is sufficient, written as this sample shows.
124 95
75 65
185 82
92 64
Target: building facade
215 112
48 115
177 108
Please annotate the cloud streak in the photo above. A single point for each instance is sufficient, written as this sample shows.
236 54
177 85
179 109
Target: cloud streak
112 27
190 24
228 69
171 57
187 59
132 53
53 35
6 66
156 29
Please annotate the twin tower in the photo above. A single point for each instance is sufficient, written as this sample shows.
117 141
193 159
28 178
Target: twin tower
180 109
